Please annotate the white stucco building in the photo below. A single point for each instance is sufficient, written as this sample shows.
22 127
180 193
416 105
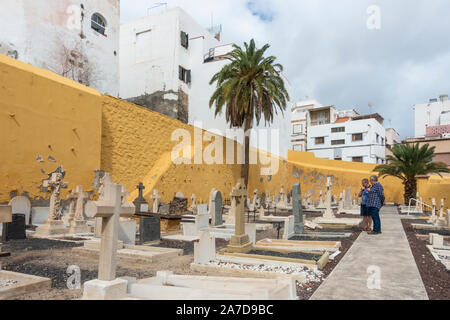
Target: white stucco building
74 38
337 134
433 117
166 63
299 123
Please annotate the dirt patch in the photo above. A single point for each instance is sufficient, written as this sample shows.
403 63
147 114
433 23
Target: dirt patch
435 276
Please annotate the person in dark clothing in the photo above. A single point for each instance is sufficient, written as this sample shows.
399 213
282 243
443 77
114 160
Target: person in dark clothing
367 221
375 200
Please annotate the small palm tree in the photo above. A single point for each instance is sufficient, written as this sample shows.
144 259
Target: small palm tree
250 87
409 161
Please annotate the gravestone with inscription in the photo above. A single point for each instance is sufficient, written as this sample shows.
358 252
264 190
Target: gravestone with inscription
149 229
140 203
217 207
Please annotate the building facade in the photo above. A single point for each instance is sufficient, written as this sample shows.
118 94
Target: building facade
299 123
167 61
432 118
337 134
432 127
73 38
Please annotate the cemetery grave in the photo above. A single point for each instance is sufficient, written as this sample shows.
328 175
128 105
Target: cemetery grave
302 257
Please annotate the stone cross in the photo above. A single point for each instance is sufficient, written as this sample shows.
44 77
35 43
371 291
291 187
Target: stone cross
441 210
328 211
193 206
72 197
110 209
54 184
80 196
297 209
156 201
141 189
240 242
105 180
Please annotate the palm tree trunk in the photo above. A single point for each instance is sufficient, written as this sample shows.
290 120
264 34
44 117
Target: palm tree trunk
246 166
410 189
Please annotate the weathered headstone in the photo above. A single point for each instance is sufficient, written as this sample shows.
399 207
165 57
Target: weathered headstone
149 229
193 207
140 203
5 217
156 201
54 184
79 224
110 209
205 249
328 211
21 205
299 226
240 242
217 209
348 199
14 230
69 216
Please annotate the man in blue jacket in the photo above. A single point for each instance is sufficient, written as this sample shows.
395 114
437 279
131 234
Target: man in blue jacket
375 200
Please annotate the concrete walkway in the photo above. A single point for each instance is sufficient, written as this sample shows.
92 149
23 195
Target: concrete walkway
388 253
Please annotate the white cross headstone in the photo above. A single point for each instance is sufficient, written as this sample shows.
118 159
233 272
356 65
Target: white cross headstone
110 209
156 201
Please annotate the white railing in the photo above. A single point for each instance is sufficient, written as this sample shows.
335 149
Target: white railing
423 204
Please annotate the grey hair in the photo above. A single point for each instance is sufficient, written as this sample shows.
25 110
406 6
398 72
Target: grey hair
374 178
365 180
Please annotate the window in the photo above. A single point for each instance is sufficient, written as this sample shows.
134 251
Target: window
184 40
98 23
297 129
357 137
337 142
298 147
357 159
185 75
338 129
320 140
340 159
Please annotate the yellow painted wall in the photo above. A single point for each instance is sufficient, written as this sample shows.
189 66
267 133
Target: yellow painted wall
312 173
44 114
137 146
134 145
435 187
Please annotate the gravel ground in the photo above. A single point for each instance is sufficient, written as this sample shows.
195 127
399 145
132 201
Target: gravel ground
293 255
51 259
306 291
435 276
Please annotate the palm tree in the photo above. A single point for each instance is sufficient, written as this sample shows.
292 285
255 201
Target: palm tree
409 161
249 87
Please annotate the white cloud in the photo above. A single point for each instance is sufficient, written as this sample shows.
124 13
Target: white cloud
328 52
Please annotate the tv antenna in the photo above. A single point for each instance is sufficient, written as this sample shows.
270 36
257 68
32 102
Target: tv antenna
157 5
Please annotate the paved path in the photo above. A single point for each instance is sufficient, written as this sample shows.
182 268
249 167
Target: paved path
390 252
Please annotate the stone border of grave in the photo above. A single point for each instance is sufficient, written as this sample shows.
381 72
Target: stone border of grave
26 284
435 276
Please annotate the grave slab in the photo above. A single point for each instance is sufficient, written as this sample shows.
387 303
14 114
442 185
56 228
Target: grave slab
20 284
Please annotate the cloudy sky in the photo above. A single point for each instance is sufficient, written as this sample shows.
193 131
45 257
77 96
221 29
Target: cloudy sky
330 54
